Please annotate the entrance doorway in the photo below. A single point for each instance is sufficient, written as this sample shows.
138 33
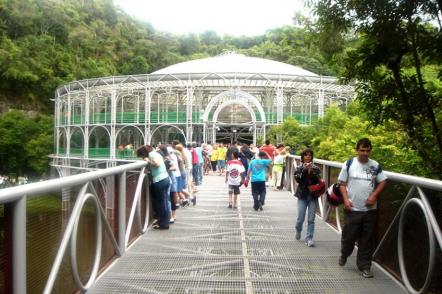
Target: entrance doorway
234 115
231 133
233 122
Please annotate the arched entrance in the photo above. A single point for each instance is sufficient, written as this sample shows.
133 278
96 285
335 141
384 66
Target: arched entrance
166 134
234 115
233 121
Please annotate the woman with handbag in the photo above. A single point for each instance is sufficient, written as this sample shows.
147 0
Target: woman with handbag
308 177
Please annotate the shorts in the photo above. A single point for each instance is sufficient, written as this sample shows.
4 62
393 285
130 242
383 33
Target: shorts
221 163
234 189
173 183
179 183
184 180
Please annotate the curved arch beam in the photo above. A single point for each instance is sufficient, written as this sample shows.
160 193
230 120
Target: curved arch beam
220 107
74 130
131 126
98 127
162 126
234 95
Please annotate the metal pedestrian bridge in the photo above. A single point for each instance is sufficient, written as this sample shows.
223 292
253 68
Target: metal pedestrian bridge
92 233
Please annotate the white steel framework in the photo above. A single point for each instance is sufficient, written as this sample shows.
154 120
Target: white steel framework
105 119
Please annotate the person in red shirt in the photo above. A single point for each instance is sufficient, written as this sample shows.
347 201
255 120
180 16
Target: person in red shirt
269 149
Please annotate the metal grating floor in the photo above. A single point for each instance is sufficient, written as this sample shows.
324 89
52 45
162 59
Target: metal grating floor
214 249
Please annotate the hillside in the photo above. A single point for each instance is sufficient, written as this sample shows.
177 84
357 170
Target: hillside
46 43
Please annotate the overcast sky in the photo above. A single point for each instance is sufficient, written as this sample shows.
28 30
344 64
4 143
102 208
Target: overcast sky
233 17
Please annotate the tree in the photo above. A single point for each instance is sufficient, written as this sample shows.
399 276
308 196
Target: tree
396 65
334 137
20 157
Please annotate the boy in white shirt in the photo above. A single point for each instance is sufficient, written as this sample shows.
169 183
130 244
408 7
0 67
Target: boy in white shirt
233 178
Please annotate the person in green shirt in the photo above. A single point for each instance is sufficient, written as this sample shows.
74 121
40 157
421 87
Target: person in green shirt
160 185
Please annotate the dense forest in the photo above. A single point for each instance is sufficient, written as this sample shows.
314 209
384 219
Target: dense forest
46 43
390 50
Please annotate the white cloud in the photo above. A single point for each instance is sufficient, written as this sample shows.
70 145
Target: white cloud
234 17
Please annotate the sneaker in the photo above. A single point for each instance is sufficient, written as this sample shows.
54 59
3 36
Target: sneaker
185 203
298 235
230 206
366 273
310 243
342 260
260 207
172 221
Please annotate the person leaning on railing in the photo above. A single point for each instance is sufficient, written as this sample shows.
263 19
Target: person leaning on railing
160 184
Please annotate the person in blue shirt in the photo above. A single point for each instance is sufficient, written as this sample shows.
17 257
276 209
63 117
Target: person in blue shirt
257 175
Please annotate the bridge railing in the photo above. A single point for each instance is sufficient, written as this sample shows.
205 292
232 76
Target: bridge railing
58 235
408 231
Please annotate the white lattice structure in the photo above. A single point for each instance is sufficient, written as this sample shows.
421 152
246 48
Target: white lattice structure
222 98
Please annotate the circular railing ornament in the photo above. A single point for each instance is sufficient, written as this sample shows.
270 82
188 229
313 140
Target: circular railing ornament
73 245
415 202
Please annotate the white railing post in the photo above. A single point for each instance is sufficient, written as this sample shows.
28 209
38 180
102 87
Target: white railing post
19 246
122 212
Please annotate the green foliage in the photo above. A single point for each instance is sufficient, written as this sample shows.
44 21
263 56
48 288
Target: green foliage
46 43
26 142
334 137
396 64
389 47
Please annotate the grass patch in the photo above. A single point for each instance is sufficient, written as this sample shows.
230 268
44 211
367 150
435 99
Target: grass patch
43 204
48 203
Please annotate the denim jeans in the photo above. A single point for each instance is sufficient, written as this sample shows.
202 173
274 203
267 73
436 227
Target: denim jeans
161 196
195 174
200 173
258 193
309 203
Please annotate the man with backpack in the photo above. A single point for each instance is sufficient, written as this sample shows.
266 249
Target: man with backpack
360 184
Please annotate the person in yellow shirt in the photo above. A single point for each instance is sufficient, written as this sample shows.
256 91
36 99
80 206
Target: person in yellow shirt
214 158
222 151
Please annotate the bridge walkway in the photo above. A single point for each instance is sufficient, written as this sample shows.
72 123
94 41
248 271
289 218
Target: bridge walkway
214 249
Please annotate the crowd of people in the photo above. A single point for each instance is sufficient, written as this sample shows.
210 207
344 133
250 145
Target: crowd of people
177 170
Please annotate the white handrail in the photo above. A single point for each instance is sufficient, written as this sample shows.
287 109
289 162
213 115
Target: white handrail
413 180
19 194
14 193
415 197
